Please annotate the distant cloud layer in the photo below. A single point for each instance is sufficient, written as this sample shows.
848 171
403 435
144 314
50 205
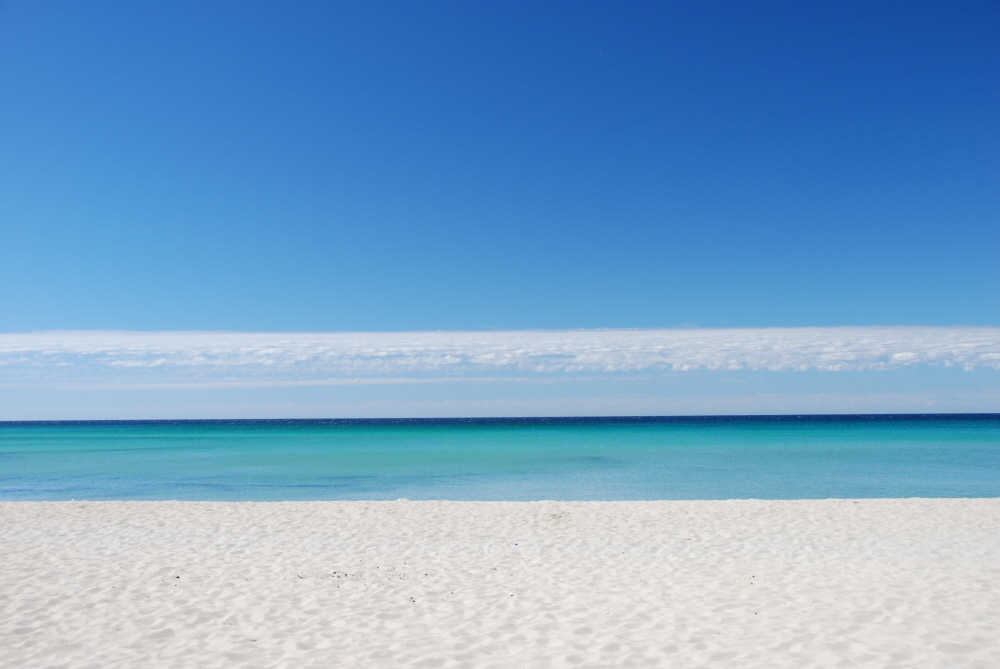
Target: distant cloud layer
241 358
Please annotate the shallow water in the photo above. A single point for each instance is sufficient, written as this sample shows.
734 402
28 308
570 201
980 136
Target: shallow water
765 457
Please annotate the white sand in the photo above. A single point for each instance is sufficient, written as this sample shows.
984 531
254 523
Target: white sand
833 583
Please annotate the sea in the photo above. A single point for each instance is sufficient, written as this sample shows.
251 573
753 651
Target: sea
602 458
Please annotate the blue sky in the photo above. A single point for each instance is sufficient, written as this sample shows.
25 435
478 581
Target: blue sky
401 166
387 166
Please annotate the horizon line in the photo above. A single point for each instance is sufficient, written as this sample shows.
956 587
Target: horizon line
527 419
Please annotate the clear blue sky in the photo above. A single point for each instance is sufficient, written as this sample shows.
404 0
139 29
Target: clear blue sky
466 165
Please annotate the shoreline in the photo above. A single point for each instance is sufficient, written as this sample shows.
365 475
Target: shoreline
735 583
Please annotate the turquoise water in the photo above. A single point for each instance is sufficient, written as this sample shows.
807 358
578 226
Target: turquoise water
779 457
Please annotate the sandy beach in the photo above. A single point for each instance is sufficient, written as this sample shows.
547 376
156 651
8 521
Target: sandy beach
817 583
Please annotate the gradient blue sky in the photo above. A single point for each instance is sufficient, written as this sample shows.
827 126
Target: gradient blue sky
470 165
510 167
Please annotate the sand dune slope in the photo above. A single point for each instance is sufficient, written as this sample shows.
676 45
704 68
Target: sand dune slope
831 583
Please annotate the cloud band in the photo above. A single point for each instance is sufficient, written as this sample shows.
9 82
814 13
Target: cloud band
267 357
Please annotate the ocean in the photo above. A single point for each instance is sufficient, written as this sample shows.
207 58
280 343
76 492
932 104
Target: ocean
644 458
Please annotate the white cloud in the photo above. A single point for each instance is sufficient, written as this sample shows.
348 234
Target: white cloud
283 358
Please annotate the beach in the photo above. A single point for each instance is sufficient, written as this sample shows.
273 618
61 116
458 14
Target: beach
742 583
